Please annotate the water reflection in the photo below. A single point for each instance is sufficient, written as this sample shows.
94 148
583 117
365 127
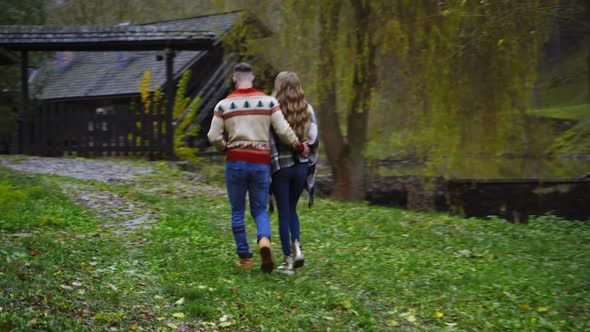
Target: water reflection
487 168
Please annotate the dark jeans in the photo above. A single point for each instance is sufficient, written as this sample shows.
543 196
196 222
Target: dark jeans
287 185
242 177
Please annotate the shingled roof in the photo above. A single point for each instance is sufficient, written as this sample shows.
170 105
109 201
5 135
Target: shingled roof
216 23
94 74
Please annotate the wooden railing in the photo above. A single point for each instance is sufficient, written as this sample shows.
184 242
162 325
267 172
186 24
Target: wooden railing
83 129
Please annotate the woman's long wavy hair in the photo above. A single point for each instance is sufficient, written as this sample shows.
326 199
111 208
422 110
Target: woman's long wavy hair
288 92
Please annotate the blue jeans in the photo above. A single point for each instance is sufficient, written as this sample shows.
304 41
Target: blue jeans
287 186
242 177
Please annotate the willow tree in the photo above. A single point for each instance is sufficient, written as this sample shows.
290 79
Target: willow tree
108 12
488 66
460 71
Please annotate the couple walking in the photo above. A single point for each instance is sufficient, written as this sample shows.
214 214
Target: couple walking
266 137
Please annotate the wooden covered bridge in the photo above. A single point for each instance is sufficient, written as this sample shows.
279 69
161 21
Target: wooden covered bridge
86 102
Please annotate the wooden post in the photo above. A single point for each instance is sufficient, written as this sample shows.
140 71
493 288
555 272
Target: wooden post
170 92
25 117
588 47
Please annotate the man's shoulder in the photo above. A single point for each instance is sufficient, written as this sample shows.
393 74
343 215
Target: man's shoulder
257 101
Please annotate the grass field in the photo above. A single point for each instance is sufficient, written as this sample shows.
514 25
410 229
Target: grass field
575 112
367 268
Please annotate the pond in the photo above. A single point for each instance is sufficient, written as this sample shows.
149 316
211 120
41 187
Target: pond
511 188
488 168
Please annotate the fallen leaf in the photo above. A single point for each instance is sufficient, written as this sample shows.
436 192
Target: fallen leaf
9 326
225 324
525 307
346 304
66 287
180 301
329 318
542 309
178 315
438 314
133 327
113 287
224 318
172 326
392 322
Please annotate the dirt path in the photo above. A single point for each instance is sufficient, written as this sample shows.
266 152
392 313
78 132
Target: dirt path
120 213
86 169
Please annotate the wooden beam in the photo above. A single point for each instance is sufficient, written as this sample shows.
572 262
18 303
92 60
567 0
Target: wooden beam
170 92
24 117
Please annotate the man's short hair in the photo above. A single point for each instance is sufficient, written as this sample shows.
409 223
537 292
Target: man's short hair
243 72
242 68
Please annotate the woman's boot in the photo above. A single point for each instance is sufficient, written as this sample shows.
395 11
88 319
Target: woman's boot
299 259
287 266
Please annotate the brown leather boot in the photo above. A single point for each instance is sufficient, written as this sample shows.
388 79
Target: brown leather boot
245 263
267 264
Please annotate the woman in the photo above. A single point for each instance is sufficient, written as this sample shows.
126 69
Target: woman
290 170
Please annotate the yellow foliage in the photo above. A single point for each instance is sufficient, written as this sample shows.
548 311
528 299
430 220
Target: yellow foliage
144 89
525 307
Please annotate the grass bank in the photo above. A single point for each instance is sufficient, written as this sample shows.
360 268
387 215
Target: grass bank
574 112
367 268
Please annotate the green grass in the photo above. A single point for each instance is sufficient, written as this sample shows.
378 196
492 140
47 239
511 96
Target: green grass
572 87
574 141
575 112
367 268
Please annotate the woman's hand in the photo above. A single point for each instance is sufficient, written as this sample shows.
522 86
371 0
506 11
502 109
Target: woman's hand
306 150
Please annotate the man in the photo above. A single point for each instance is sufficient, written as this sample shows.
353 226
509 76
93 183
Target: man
246 117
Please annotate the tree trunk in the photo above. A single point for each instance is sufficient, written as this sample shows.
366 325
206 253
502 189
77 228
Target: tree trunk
557 51
354 186
346 157
330 132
